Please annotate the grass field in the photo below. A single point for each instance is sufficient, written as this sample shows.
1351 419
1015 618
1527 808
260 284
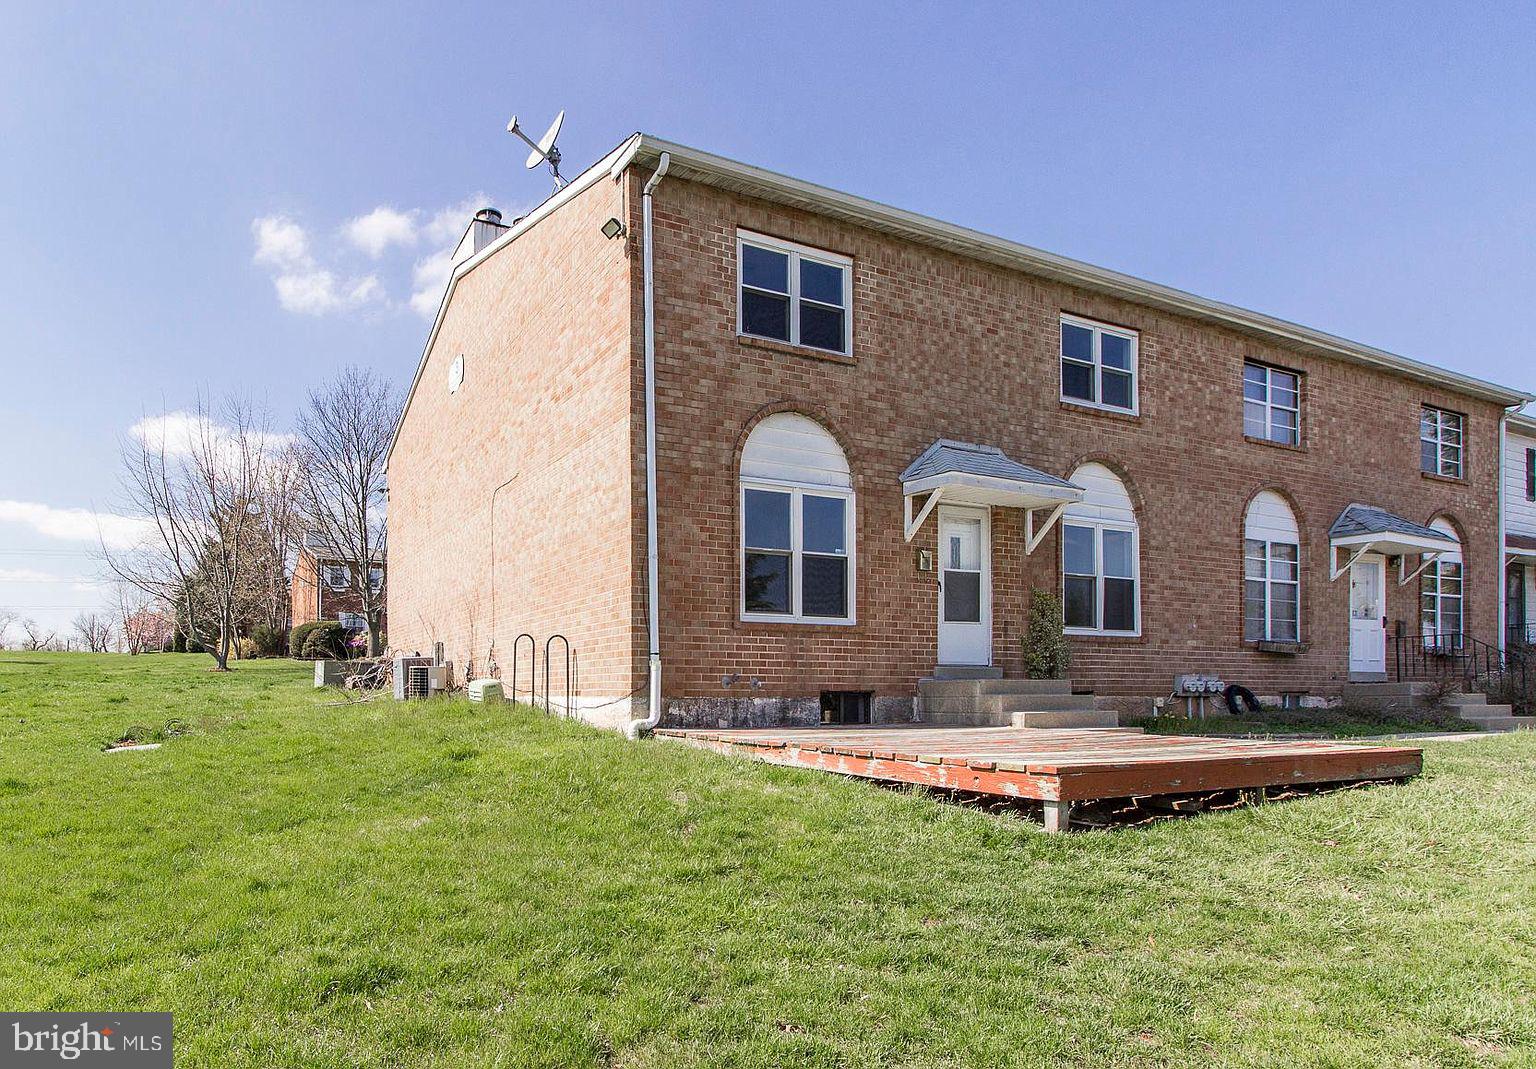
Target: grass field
447 885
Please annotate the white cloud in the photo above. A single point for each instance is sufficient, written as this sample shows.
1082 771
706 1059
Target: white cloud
78 525
319 292
281 243
381 228
182 433
26 575
302 285
307 284
428 280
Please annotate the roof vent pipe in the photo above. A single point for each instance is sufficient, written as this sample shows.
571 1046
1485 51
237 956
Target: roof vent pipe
652 595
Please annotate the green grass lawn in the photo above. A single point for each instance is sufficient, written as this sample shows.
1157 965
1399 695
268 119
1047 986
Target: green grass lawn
1344 722
446 885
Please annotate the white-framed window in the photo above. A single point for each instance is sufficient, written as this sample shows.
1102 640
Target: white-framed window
375 579
337 576
1098 364
352 621
793 293
1441 595
1441 441
1271 571
1100 557
1271 404
797 524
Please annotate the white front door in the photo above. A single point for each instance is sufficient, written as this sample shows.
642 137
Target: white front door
1367 615
965 586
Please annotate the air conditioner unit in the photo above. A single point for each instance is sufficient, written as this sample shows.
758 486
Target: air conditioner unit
411 677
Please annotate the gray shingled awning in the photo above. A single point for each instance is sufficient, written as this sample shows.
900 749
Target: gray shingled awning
1362 529
964 473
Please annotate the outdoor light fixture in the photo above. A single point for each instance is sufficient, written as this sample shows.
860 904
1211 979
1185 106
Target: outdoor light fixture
613 229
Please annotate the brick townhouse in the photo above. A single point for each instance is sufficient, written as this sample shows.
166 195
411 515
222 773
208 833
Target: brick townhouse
875 434
321 588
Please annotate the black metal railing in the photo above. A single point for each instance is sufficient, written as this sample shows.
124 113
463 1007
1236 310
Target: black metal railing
1504 674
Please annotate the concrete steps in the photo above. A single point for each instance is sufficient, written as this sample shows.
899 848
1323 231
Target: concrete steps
991 701
1471 706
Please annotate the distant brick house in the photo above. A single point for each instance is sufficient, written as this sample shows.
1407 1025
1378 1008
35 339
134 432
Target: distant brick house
321 588
876 433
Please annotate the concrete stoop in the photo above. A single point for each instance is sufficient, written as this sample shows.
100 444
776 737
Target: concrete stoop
1471 706
992 701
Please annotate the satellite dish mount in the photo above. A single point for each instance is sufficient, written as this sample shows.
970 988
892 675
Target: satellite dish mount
543 150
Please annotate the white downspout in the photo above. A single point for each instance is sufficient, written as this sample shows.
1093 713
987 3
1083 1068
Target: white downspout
652 586
1503 634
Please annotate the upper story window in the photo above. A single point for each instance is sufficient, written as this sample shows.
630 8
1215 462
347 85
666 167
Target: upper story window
797 524
375 579
1271 404
1441 442
1100 558
794 294
337 576
1098 364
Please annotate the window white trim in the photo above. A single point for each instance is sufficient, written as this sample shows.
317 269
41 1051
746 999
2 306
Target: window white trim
1270 581
375 579
1099 330
798 492
329 573
1099 527
1446 423
359 622
1269 405
796 253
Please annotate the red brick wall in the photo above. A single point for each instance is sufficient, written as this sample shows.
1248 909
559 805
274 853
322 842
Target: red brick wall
946 347
311 598
511 501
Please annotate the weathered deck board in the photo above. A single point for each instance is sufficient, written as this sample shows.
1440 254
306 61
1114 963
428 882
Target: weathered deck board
1060 765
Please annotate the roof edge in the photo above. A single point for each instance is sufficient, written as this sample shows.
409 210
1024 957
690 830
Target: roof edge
696 164
613 165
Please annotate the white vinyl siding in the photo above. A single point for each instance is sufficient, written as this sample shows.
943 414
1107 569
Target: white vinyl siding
1101 557
793 293
1099 365
1519 506
1271 571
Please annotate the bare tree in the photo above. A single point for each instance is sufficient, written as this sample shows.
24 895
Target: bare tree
343 438
201 487
7 618
95 631
35 636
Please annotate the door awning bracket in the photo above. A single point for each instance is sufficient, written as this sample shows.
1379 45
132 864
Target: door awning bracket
1339 570
914 523
1032 537
1424 562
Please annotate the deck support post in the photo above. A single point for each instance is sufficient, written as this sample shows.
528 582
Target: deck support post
1058 815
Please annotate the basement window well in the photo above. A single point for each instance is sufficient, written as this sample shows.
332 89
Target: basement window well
845 706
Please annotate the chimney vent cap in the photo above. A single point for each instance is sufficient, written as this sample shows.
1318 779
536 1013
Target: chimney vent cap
488 215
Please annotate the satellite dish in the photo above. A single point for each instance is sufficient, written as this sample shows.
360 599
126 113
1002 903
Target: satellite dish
543 150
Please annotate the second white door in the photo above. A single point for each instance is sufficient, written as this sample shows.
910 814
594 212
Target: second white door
965 586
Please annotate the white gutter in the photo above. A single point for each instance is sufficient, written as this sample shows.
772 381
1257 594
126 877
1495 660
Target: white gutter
697 165
652 586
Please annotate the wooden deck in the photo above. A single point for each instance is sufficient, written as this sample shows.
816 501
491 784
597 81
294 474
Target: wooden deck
1060 767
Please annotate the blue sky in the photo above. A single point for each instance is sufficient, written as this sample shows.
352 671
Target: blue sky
163 170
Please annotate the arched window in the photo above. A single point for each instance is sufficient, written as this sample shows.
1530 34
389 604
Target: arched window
797 559
1271 571
1440 594
1100 557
